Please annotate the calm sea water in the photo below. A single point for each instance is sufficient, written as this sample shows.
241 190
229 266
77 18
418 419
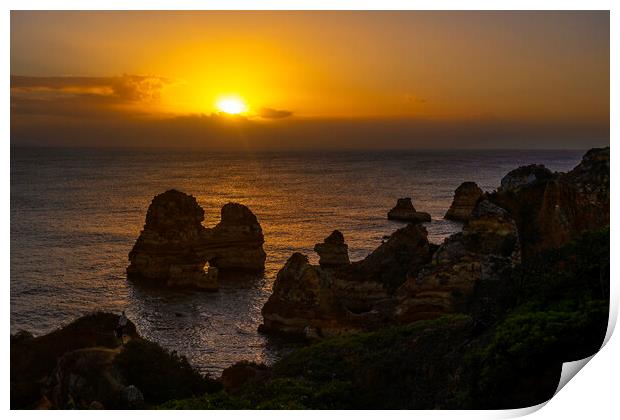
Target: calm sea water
75 215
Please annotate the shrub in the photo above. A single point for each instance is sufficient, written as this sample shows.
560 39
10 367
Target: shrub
159 374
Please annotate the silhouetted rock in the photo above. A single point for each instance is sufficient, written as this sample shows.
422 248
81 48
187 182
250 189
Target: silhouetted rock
85 376
34 360
312 301
236 242
533 210
405 212
174 247
553 210
486 251
84 366
524 176
333 251
465 198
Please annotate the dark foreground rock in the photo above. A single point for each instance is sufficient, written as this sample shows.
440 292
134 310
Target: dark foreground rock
34 360
465 198
174 247
84 366
404 211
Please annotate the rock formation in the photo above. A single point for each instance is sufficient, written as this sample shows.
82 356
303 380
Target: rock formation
66 366
84 366
486 251
524 176
465 198
174 247
236 242
316 301
533 210
84 376
333 251
405 212
552 210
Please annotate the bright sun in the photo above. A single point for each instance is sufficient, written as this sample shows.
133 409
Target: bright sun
231 105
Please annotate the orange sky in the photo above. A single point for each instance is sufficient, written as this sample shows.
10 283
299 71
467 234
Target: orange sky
536 69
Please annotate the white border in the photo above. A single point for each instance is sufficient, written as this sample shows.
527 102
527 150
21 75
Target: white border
593 394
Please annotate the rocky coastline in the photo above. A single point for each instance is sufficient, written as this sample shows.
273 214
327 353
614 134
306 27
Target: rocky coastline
412 325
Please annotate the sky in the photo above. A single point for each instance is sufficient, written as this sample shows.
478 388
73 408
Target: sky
310 80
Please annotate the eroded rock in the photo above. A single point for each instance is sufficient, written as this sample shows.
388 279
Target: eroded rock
553 210
333 251
404 211
236 242
524 176
174 247
465 198
486 251
315 301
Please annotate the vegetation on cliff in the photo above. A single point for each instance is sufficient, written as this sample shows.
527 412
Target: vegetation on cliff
555 310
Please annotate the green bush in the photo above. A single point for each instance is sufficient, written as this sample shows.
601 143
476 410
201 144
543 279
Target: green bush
159 374
559 314
554 309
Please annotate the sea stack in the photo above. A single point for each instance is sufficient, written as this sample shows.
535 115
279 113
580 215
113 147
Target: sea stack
236 242
333 252
174 247
465 198
404 211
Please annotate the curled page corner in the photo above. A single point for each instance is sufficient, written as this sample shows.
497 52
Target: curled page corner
569 370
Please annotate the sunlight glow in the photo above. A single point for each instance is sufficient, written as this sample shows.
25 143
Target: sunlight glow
231 105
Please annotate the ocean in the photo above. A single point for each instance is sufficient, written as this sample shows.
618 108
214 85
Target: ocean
76 213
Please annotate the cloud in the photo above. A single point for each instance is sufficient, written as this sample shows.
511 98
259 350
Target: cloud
82 96
414 99
271 113
126 87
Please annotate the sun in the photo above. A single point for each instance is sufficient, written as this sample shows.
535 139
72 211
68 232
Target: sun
232 105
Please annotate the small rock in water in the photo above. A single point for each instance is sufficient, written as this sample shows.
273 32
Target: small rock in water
333 251
404 211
